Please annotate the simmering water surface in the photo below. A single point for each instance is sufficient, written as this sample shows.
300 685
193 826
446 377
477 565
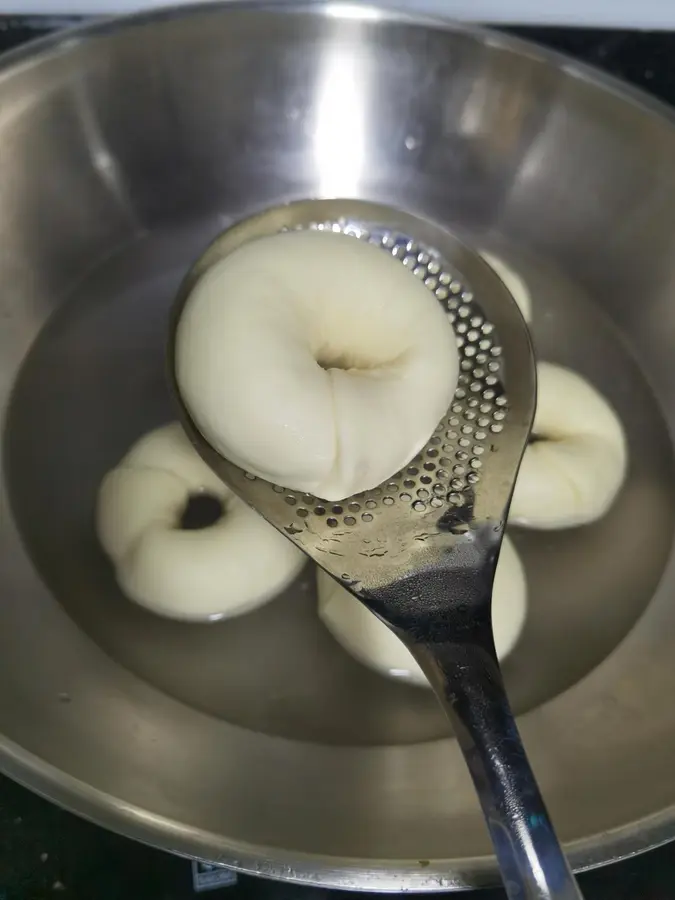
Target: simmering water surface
95 381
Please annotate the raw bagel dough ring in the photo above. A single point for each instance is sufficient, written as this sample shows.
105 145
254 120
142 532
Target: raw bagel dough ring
513 283
315 361
572 473
369 640
224 570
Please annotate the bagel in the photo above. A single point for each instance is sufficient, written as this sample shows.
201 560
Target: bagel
316 361
513 283
373 644
214 572
574 468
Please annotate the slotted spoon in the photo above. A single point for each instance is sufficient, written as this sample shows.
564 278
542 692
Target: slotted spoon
420 550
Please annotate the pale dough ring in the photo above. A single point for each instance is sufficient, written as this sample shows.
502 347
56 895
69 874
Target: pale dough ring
224 570
316 361
573 471
513 283
369 640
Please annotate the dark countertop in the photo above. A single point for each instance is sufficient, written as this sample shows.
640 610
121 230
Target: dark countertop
46 852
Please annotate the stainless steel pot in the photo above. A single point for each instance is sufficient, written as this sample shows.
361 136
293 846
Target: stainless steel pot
124 148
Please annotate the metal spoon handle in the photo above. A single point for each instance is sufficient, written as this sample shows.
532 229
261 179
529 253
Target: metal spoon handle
468 681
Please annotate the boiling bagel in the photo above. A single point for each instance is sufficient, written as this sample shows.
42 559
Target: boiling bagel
225 569
575 465
373 644
513 283
315 361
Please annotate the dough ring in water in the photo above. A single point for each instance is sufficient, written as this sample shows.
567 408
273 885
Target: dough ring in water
370 641
347 359
225 569
513 283
574 468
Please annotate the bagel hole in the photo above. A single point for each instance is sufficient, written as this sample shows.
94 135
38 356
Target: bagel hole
348 361
202 510
344 362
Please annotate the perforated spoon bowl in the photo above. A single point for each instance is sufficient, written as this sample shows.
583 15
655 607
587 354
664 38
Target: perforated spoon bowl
420 551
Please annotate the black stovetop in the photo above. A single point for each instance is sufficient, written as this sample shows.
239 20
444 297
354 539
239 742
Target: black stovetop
46 852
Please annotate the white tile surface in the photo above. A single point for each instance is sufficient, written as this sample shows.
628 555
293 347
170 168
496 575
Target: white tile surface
624 13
